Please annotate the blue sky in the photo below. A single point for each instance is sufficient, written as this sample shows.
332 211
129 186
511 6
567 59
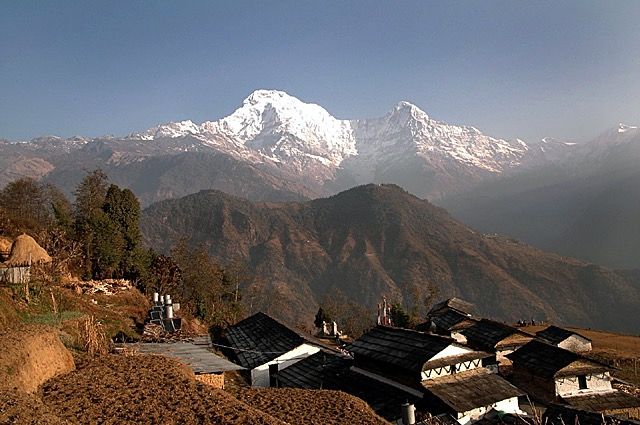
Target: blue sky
568 69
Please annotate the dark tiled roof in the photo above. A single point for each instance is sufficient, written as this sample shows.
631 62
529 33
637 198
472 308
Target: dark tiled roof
326 370
563 415
486 334
263 338
547 360
449 319
314 372
469 390
402 348
611 400
453 303
556 335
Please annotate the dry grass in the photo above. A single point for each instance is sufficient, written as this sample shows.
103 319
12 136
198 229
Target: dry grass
143 389
321 407
94 340
25 250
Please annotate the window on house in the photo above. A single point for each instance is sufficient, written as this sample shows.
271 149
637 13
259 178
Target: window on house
582 382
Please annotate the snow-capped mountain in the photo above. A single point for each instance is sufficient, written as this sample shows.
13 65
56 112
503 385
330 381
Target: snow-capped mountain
307 140
296 149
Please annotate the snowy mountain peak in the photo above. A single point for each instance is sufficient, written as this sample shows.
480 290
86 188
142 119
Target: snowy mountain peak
410 110
263 95
169 130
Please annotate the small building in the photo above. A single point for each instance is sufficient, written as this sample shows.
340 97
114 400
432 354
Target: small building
566 339
265 346
549 373
470 395
552 374
495 337
196 354
454 303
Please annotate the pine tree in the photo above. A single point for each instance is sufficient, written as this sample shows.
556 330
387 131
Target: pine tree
87 213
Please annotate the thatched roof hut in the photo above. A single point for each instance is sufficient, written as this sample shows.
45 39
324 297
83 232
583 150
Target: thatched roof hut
5 246
25 251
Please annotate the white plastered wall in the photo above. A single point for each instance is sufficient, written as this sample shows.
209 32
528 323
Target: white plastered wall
600 382
260 374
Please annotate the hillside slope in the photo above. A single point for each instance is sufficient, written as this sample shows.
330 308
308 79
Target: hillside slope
374 240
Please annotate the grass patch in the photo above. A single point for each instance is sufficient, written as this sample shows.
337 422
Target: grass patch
49 318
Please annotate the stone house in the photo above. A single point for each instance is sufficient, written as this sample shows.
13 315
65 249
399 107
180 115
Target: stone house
265 346
552 374
566 339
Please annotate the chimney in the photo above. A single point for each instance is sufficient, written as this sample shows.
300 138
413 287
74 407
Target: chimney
156 298
334 329
408 414
168 307
273 375
161 299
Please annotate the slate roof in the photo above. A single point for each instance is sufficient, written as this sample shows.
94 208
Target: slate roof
263 338
562 415
327 370
556 335
194 354
486 334
453 303
448 319
601 402
471 389
547 360
402 348
315 371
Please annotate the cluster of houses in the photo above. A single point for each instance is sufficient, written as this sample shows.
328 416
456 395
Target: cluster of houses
456 367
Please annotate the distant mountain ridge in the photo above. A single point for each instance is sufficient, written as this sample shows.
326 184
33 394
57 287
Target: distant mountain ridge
374 240
587 205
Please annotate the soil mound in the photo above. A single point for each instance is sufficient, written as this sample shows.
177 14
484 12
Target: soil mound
21 408
310 406
31 355
143 389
